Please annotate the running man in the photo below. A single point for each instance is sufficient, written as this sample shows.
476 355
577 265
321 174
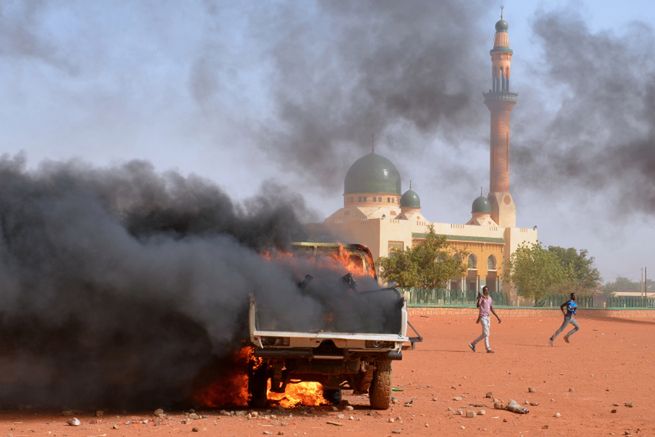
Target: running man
485 304
569 317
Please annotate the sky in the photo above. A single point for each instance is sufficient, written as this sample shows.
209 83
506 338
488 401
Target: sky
253 94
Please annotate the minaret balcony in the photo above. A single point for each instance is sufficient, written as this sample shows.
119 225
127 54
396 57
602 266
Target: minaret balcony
500 96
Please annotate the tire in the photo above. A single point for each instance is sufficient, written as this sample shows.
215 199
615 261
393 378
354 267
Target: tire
380 391
257 387
332 395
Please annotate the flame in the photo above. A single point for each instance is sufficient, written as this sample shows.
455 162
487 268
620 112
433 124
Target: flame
231 387
339 259
307 393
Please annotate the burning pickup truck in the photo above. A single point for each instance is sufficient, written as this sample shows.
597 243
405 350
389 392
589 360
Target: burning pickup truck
348 345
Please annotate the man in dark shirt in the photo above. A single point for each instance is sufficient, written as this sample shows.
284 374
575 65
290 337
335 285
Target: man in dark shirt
569 317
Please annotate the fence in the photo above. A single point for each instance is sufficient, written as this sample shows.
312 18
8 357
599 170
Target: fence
438 297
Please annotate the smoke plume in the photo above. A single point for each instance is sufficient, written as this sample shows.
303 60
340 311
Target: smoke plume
602 137
120 285
345 75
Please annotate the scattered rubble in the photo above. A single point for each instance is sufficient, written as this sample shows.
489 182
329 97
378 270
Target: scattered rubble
515 407
330 422
558 415
74 421
629 404
159 412
489 395
458 398
531 390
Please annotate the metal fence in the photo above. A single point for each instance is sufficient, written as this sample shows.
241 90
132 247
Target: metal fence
439 297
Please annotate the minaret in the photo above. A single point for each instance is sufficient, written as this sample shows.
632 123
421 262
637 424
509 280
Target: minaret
500 102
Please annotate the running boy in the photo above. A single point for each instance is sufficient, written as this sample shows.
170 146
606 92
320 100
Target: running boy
569 317
485 304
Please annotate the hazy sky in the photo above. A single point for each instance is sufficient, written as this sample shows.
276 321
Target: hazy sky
245 93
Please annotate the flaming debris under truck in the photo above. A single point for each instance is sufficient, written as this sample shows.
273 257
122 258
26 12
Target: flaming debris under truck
350 345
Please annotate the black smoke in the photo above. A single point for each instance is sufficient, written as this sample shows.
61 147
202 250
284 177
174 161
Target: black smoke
119 285
601 138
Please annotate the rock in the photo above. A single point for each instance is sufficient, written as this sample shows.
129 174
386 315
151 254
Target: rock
409 403
470 414
391 420
558 415
159 412
195 416
505 420
114 426
613 411
349 408
396 431
341 416
330 422
533 403
280 433
615 404
434 399
482 412
394 400
451 410
515 407
185 421
460 412
351 418
571 390
458 398
195 429
267 433
545 427
427 425
251 414
224 413
74 421
531 390
462 427
489 395
629 404
499 405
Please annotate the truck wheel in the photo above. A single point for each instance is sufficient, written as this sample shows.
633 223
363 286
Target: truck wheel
257 387
332 395
380 391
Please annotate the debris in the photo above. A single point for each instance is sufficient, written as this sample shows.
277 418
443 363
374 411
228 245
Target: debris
545 427
498 405
330 422
196 416
159 412
613 411
396 431
482 412
349 408
557 414
351 418
396 389
427 425
391 420
615 404
531 390
470 414
394 400
195 429
571 390
74 421
489 395
533 403
115 426
462 427
100 413
514 407
629 404
434 399
267 433
341 416
460 412
458 398
409 403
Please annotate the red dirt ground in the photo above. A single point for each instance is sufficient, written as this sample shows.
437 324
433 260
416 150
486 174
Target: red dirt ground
609 361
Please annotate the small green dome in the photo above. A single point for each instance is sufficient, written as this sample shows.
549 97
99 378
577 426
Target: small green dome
501 25
372 174
410 199
481 205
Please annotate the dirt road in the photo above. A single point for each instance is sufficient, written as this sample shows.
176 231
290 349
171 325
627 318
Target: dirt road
609 366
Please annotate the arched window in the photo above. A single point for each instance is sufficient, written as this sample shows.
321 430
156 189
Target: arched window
491 263
473 262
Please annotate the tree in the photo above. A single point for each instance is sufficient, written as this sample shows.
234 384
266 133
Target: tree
535 271
427 265
624 284
581 275
538 272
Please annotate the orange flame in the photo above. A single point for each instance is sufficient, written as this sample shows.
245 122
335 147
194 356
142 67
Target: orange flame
231 387
309 394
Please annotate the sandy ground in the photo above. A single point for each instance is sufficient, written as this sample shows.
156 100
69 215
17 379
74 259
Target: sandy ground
608 364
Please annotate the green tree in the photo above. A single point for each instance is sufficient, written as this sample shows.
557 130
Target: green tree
538 272
535 271
624 284
581 275
427 265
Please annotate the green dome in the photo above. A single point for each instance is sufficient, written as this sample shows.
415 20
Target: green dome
410 199
481 204
372 174
501 25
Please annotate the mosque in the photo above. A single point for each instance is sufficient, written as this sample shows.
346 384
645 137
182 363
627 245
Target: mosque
375 213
